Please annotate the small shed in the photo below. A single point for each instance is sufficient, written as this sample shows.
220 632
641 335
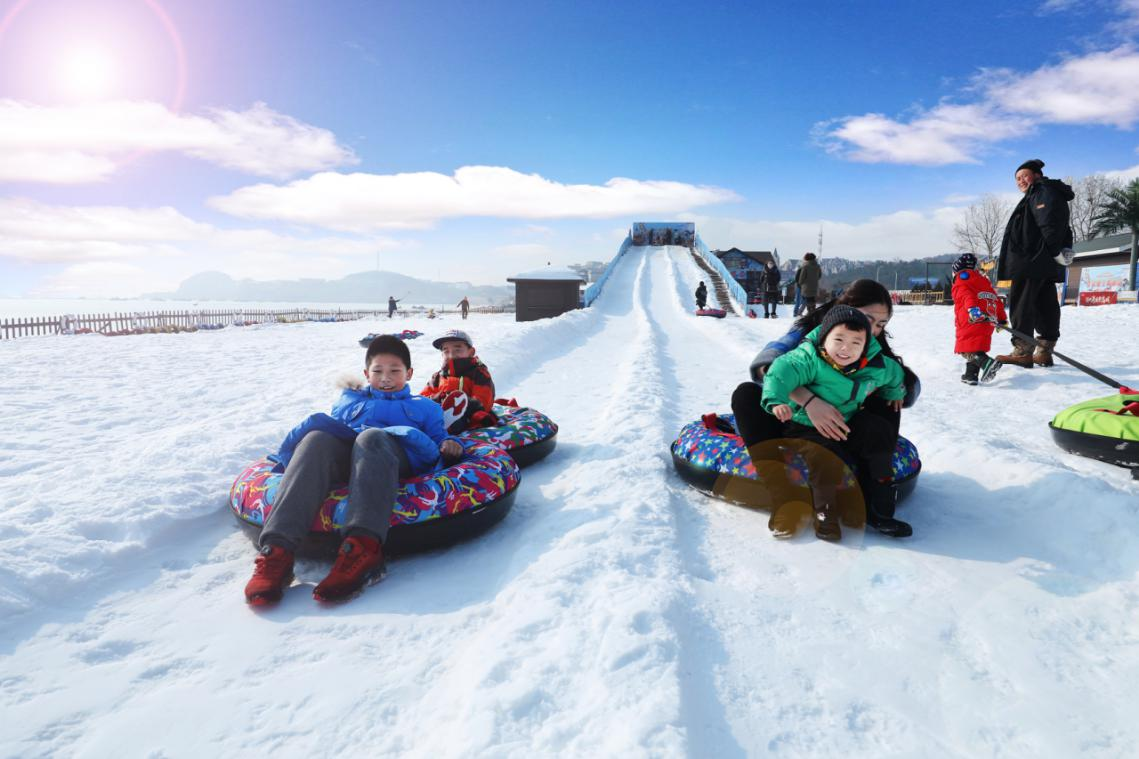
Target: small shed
546 292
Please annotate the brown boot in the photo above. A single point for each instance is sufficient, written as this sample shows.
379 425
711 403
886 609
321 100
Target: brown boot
1043 354
1021 355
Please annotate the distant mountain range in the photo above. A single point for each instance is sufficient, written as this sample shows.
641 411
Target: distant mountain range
365 287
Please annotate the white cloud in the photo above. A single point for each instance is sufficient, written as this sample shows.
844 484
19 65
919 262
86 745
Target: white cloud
167 247
1123 175
959 199
362 202
107 279
1096 88
903 234
85 143
942 135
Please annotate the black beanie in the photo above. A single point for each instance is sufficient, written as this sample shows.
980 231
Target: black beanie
846 315
1034 165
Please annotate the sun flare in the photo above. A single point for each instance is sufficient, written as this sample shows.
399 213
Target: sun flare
86 72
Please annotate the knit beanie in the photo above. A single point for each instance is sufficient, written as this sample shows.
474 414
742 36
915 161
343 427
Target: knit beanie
1032 164
847 316
965 261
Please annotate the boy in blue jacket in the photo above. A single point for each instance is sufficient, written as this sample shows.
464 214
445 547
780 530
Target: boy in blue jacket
375 436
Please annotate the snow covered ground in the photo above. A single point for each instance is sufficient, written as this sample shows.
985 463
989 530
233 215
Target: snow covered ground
615 612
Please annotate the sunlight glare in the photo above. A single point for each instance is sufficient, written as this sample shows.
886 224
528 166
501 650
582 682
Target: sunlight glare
86 73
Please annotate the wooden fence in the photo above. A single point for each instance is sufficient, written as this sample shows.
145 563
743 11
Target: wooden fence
147 322
918 297
152 322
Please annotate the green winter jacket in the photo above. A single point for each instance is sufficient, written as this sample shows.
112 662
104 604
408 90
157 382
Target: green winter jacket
846 391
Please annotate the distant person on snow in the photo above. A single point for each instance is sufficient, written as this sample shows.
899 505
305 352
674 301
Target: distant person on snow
1036 247
841 363
807 283
757 426
975 306
701 295
376 435
391 305
463 387
465 306
769 280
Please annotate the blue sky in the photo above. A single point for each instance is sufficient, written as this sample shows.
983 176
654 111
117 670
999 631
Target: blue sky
144 140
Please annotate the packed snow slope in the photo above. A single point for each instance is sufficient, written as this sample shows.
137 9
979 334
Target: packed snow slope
615 612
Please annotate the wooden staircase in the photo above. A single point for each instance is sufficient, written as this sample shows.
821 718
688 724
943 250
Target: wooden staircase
718 284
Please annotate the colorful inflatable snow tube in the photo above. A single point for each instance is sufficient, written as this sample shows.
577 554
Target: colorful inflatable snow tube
407 334
431 511
709 458
526 434
1102 428
715 313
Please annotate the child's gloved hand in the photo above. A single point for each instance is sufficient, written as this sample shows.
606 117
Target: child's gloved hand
975 314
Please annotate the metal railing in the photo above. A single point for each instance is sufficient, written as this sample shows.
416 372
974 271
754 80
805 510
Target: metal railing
735 290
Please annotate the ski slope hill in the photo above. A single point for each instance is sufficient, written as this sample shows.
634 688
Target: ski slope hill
615 612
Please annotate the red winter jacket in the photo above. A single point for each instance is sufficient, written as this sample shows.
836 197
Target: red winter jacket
973 289
466 374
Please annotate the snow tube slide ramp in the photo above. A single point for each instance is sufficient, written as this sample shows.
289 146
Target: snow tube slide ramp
524 433
431 511
1106 429
715 313
704 457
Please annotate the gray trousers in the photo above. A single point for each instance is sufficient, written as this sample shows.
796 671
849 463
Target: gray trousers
372 466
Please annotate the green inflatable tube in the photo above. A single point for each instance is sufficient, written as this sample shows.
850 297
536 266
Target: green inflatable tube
1101 428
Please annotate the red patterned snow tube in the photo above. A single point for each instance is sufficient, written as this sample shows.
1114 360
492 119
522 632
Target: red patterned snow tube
431 511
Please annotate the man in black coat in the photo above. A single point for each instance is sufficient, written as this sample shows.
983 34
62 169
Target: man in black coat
1036 247
770 281
701 295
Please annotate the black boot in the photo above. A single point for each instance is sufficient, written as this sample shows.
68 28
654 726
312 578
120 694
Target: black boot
827 522
971 375
881 498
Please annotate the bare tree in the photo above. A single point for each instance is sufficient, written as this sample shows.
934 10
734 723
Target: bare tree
981 230
1091 195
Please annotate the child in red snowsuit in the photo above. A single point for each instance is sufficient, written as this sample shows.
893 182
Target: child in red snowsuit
463 387
975 308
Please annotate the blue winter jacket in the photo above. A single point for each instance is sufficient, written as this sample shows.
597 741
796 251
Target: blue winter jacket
417 423
794 336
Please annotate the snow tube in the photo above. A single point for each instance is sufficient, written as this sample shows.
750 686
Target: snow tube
713 312
431 511
407 334
524 433
1102 428
702 456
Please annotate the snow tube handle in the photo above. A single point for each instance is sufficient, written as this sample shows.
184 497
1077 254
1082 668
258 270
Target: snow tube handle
717 426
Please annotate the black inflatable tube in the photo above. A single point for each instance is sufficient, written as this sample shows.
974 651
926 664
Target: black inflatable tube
411 538
705 479
526 455
1113 450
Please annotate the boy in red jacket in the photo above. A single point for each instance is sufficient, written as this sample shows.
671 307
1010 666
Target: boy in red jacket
463 387
975 306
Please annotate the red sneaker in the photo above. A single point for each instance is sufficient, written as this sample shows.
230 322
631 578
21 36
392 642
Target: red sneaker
360 562
272 573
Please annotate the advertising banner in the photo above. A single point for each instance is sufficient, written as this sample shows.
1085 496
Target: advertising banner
1101 285
1099 279
664 233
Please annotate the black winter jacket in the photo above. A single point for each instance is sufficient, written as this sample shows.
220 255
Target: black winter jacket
1038 229
770 279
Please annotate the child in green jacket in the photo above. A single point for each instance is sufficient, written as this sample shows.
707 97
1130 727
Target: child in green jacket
840 363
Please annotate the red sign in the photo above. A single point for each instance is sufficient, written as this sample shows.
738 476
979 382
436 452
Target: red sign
1098 298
